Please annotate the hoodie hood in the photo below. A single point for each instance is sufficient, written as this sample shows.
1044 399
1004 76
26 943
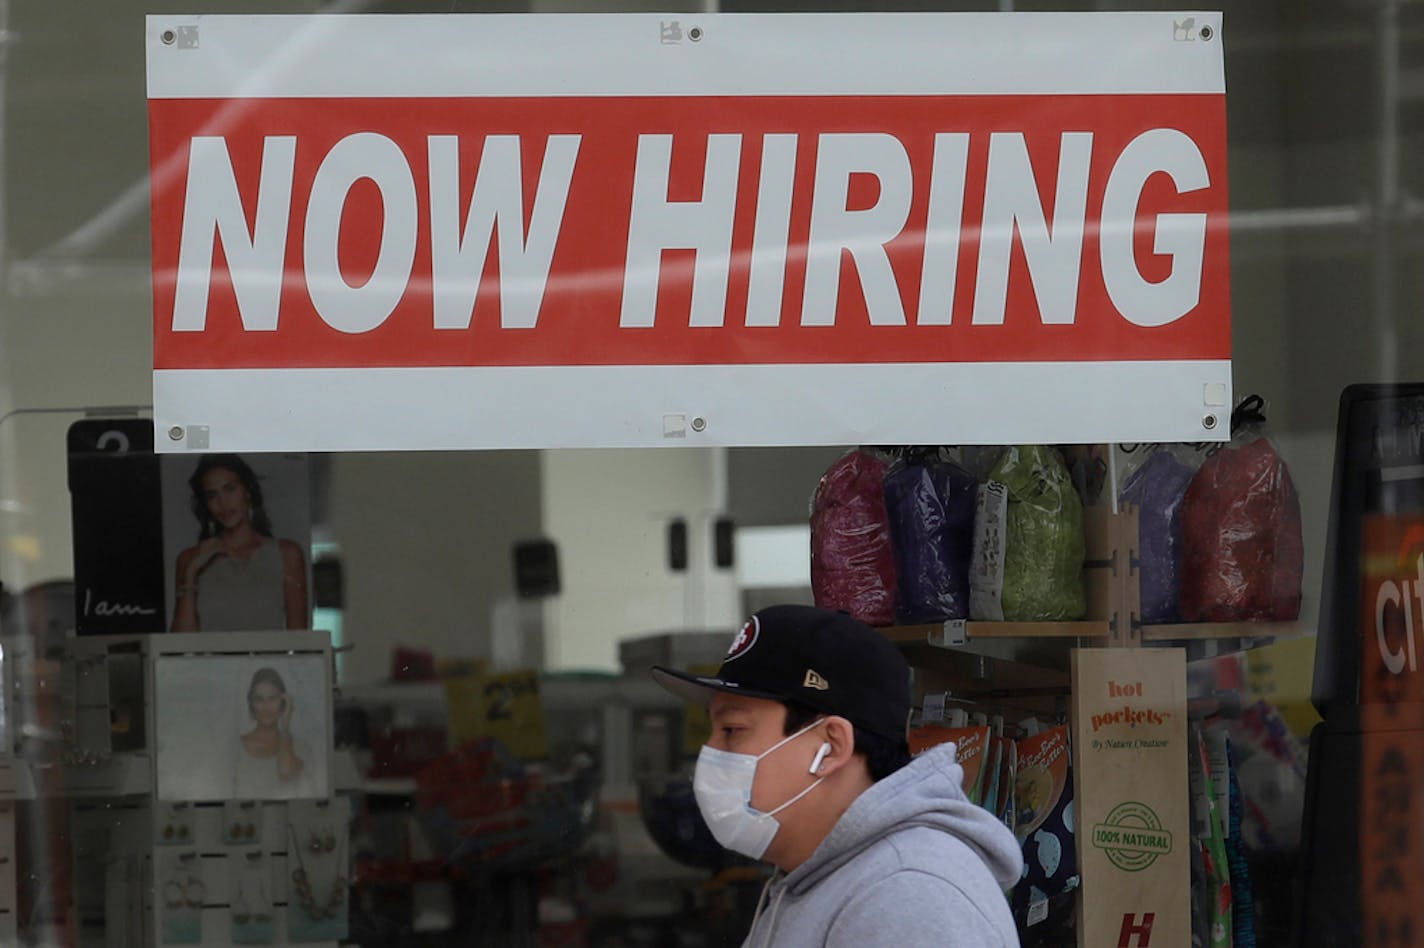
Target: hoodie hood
927 792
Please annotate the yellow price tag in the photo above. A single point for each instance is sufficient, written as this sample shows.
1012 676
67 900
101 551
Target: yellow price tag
506 707
1282 673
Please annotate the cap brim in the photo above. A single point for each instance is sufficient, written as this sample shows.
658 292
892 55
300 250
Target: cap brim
699 689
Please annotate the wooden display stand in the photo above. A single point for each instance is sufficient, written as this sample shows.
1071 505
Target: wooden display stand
1133 860
1130 793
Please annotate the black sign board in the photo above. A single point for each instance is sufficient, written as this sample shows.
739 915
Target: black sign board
1379 471
1362 875
116 501
536 569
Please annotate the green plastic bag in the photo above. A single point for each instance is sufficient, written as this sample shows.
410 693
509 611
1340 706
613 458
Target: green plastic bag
1043 537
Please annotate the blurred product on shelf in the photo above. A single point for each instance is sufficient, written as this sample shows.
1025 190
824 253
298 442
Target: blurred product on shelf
1242 552
1211 872
971 744
852 558
930 503
1045 827
1043 541
1156 487
485 811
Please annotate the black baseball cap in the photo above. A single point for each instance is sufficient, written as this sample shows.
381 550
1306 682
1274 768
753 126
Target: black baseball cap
826 660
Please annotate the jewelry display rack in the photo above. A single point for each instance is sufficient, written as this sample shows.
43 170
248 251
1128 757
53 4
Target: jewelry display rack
214 842
115 819
217 860
56 749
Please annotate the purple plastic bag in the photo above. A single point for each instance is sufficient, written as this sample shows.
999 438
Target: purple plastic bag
1156 488
930 504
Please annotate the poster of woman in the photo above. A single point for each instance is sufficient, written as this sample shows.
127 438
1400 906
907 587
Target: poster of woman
237 542
242 727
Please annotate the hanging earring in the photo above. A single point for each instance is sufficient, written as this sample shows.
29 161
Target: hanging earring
322 843
241 914
173 893
262 913
195 893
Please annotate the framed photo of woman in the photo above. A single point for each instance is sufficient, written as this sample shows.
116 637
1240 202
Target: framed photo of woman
242 727
237 542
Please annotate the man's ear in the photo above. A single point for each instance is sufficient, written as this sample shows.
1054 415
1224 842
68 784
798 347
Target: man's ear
840 735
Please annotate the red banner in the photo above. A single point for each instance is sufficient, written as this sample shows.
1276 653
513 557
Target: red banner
391 232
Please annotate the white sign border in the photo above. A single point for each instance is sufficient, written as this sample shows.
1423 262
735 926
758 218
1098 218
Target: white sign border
238 58
692 406
424 55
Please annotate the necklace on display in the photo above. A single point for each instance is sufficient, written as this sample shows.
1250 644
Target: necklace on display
241 914
251 880
320 845
262 914
190 891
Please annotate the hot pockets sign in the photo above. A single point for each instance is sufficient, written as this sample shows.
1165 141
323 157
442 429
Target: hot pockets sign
725 231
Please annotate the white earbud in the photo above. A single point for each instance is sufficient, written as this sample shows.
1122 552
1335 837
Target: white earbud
820 756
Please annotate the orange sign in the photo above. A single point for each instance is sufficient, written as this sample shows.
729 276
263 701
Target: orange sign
1392 718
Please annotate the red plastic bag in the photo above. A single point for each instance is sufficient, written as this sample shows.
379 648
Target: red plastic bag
1242 554
852 558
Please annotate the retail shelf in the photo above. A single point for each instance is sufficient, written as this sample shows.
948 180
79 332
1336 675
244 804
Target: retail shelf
1196 631
123 775
940 633
1009 645
559 693
941 636
389 786
975 676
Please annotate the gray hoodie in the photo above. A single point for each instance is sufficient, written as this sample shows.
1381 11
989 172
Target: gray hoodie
911 863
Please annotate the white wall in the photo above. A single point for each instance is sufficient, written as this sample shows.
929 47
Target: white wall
608 512
425 540
79 342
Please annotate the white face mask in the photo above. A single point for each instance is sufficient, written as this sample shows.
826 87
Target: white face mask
722 784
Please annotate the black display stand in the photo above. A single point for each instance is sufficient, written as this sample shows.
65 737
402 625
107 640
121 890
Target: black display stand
1360 869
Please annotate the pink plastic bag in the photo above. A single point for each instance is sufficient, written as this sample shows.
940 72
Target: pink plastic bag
1242 553
852 558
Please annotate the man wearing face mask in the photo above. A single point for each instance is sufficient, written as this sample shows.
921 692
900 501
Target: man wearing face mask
808 768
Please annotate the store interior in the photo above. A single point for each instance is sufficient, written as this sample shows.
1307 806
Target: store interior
660 553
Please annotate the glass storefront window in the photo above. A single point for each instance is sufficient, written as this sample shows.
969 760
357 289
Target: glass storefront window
489 616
